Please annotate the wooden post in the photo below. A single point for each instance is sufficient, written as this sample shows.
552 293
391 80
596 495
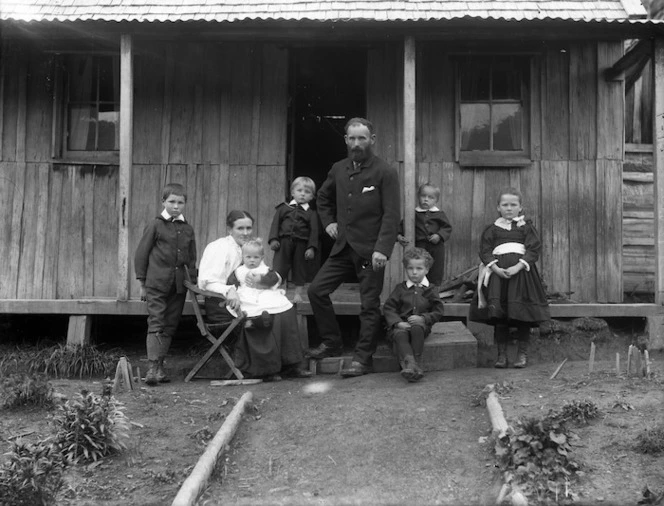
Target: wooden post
655 327
409 139
591 362
646 358
629 359
617 364
126 158
78 331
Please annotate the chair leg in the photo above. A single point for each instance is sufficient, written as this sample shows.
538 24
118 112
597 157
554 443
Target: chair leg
217 346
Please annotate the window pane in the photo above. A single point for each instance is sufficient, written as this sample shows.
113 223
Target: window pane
109 79
81 82
109 126
506 83
81 128
507 127
474 79
475 126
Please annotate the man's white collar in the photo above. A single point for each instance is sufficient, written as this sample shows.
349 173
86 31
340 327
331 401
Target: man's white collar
167 217
425 282
305 206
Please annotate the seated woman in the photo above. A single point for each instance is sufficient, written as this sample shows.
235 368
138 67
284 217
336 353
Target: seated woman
260 352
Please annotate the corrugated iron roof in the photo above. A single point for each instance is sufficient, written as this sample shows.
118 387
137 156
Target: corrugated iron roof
324 10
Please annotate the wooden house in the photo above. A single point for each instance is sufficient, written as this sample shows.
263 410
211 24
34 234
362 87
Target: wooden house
102 102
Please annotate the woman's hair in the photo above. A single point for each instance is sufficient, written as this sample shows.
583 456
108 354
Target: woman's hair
235 215
255 243
436 190
417 254
305 181
173 189
510 191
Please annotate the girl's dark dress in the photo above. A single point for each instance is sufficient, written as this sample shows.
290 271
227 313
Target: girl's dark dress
520 300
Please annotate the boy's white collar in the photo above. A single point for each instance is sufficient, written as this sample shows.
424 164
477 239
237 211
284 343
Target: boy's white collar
421 210
304 206
425 282
167 217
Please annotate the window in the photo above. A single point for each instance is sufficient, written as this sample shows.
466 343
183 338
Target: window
493 120
89 107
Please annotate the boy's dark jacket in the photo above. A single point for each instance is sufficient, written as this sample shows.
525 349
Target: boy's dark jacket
296 223
404 302
164 251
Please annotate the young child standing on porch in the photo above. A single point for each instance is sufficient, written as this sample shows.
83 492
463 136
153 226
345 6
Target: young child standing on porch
294 234
410 311
167 248
510 291
432 229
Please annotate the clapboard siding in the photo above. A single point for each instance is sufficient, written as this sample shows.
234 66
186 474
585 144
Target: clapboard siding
572 190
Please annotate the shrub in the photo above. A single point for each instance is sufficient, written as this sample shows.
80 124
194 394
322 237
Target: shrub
67 362
90 427
23 389
651 440
31 476
578 412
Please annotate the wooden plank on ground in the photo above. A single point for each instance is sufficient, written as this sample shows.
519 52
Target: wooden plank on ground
583 101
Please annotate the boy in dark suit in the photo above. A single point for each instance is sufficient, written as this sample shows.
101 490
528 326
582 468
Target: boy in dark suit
167 248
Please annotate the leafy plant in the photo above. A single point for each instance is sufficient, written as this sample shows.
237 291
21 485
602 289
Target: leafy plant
22 389
651 440
31 476
535 456
90 426
578 412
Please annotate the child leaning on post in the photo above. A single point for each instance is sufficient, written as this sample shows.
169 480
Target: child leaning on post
410 311
166 248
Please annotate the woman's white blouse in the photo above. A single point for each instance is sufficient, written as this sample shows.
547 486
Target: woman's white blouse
220 259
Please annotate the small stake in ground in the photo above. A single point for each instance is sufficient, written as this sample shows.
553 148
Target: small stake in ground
637 361
617 364
123 375
591 362
646 359
555 373
629 360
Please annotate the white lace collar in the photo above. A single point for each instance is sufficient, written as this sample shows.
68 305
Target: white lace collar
421 210
304 206
425 282
167 217
507 224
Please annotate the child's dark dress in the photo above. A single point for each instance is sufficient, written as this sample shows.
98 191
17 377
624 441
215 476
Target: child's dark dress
521 299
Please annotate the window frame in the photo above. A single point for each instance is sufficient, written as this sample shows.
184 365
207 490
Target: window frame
59 141
497 158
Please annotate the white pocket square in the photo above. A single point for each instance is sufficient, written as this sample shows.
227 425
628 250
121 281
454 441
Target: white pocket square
368 189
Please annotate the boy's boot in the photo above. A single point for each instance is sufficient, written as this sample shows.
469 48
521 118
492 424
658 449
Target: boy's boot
407 370
153 349
160 373
164 345
523 336
501 334
418 372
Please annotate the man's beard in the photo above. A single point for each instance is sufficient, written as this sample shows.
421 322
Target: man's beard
358 154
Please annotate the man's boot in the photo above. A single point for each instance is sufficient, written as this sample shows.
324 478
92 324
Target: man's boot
151 375
501 335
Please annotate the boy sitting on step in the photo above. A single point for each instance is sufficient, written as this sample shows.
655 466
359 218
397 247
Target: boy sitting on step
410 311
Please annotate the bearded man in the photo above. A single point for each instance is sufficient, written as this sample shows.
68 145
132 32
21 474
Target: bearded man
359 207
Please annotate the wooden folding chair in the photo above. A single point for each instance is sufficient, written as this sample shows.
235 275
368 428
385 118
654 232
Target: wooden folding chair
206 330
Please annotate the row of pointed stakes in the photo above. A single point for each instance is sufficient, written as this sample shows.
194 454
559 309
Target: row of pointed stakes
638 362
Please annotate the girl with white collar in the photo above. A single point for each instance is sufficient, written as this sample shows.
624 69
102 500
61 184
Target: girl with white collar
510 291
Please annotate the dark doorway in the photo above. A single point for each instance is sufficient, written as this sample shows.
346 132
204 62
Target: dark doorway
327 88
